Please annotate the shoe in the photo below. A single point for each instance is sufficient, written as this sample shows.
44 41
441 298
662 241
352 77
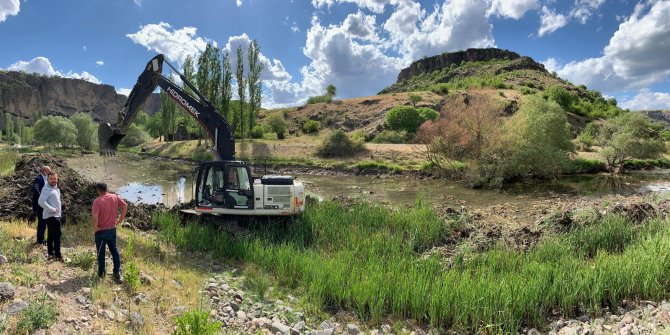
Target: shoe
59 258
117 278
50 257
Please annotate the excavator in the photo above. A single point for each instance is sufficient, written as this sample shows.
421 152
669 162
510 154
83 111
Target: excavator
223 187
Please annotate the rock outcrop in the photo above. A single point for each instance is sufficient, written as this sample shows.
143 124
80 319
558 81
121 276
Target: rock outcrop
445 60
662 117
26 96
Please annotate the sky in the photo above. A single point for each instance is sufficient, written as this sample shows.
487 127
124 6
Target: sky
619 47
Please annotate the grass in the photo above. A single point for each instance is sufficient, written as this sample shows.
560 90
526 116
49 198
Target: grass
368 259
39 314
7 160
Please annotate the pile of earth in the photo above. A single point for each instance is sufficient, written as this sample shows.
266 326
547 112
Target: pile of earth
77 193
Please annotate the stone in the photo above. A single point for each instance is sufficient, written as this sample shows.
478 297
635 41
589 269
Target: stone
109 314
3 260
16 307
278 327
136 319
179 309
7 291
295 331
386 329
300 325
141 298
627 319
86 291
326 325
234 306
329 331
82 299
353 329
241 315
584 318
146 279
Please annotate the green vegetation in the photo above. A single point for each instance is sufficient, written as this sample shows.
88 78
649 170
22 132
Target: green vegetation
405 118
196 322
326 98
338 144
368 259
39 314
257 132
135 136
391 136
7 161
378 166
55 130
85 130
311 127
276 123
629 136
83 260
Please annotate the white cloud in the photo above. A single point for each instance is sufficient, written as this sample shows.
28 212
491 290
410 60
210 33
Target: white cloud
138 2
175 44
376 6
124 91
514 9
9 8
100 63
550 21
295 28
583 9
635 57
647 100
273 70
42 65
238 3
360 25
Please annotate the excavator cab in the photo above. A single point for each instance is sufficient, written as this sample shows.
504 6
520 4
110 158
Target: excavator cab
224 185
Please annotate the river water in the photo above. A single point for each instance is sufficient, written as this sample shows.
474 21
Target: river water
151 180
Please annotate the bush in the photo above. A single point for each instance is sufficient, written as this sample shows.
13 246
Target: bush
311 127
405 118
561 96
135 136
588 135
428 114
55 130
257 131
276 123
83 260
319 98
391 136
338 144
196 322
39 314
85 129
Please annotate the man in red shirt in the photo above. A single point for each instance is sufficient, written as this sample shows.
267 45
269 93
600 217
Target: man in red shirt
105 209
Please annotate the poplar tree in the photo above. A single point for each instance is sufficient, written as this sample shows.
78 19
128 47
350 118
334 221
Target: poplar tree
226 87
254 82
239 74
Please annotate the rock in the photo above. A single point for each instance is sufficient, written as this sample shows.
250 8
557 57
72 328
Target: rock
109 314
146 279
234 306
386 329
241 315
3 260
326 325
136 319
82 299
329 331
569 330
17 307
353 329
278 327
584 318
179 309
627 319
295 331
299 326
7 291
239 297
141 298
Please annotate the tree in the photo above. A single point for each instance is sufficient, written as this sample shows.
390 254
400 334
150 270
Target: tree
9 127
561 96
331 91
629 136
168 115
184 117
405 118
85 130
239 75
154 125
338 144
226 87
414 99
254 82
276 123
135 136
55 130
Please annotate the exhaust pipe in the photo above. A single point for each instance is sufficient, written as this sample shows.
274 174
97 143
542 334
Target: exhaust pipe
108 138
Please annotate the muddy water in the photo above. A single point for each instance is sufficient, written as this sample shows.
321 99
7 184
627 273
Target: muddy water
149 180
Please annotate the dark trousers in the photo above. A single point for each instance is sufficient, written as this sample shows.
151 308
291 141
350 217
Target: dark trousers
102 238
41 227
53 236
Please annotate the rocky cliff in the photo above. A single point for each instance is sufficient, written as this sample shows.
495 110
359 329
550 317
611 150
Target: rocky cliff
445 60
26 96
662 117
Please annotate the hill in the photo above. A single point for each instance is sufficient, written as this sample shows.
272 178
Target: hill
26 96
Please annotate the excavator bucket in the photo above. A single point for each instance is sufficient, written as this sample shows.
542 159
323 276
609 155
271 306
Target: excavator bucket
109 138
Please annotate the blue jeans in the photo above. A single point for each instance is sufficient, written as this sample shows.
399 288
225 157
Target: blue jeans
102 238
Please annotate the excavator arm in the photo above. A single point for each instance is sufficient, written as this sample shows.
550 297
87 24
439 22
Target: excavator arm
216 126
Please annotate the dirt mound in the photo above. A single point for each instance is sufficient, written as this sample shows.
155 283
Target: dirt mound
635 212
77 193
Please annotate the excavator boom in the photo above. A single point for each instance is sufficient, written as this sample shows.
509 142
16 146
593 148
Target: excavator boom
216 126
